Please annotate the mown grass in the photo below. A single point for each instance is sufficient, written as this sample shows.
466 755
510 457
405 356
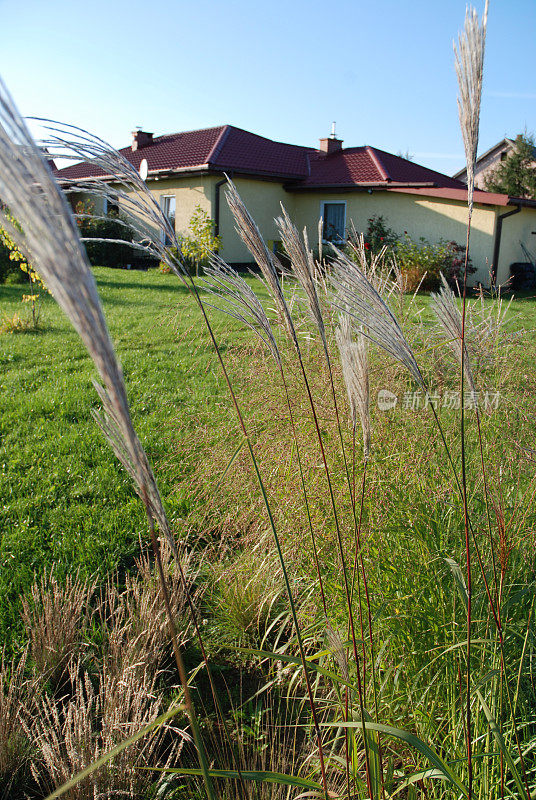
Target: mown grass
63 499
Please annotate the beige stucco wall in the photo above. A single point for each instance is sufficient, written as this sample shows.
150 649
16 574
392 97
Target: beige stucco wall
189 192
516 229
262 199
431 218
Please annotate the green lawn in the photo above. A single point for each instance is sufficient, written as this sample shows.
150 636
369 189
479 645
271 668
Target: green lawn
64 501
63 498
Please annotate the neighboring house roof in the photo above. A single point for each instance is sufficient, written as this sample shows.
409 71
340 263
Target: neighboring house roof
504 144
487 161
236 151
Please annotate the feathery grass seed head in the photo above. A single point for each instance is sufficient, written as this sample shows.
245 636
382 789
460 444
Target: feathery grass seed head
266 261
355 295
444 306
354 362
469 62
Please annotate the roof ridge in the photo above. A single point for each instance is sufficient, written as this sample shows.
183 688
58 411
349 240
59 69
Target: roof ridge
377 162
218 144
274 141
421 166
193 130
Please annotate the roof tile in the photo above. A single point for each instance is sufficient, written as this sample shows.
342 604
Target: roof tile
233 150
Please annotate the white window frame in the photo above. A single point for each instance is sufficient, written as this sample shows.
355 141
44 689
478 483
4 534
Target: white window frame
323 204
161 204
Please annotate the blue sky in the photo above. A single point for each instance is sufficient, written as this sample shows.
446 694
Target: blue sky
284 69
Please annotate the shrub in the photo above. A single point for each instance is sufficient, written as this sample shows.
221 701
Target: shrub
422 263
114 226
197 245
9 269
379 234
163 266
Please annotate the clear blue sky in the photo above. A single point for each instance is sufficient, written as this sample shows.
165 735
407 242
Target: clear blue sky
284 69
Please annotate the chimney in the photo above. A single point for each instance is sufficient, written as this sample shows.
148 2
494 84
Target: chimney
331 144
141 139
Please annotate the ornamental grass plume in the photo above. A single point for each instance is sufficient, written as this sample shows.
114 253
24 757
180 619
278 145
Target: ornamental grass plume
469 62
355 295
49 239
266 261
354 362
124 187
444 306
302 263
240 301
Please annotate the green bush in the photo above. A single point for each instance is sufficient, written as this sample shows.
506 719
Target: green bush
379 234
107 254
422 262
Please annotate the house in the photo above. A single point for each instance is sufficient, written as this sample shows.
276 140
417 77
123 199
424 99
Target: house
487 162
334 183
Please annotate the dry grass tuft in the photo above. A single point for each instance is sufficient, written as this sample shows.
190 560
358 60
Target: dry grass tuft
137 636
70 735
15 691
55 617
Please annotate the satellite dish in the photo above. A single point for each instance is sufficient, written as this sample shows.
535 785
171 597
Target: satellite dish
144 169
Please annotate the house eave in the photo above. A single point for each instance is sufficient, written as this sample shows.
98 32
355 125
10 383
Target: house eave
356 187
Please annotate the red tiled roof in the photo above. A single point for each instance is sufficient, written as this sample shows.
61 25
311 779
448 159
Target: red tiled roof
243 151
345 167
224 148
229 149
175 151
369 166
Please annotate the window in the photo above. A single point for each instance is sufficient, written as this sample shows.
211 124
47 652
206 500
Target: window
168 205
334 222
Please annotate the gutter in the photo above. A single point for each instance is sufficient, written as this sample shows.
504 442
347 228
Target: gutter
364 186
497 241
217 187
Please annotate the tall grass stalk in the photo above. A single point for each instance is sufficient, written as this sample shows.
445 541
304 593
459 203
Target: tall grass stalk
469 59
301 262
148 222
49 239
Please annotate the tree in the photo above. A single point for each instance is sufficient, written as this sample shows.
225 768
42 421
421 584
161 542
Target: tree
197 247
516 175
